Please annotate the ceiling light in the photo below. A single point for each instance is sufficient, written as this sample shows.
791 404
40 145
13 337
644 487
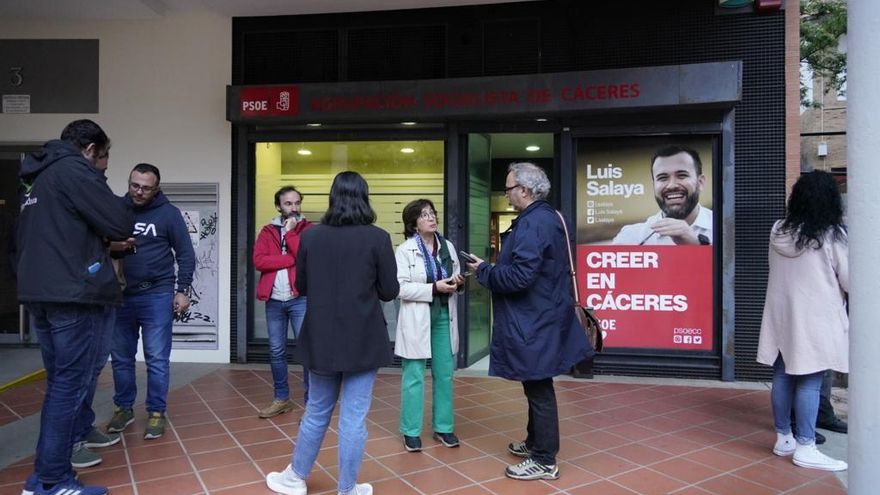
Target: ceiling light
541 120
532 147
407 150
303 152
407 123
314 124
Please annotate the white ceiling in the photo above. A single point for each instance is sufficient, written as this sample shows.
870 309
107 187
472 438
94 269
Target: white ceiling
154 9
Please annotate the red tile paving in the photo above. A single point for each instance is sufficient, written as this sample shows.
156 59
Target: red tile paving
616 439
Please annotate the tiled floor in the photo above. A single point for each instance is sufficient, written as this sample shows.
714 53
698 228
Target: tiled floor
616 439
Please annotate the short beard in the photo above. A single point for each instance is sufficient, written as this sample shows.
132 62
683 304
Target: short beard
679 213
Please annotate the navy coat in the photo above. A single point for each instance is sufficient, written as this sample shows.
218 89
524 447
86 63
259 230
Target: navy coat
535 334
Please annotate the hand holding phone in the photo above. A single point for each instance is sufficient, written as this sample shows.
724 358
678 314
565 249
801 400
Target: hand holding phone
466 256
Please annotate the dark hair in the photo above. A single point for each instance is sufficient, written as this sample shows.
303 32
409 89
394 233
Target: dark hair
675 149
411 213
349 201
146 168
284 190
814 207
84 132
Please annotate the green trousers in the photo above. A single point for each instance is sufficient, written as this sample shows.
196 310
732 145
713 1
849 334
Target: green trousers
412 381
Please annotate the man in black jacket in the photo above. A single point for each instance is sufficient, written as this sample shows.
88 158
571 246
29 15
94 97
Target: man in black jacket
66 281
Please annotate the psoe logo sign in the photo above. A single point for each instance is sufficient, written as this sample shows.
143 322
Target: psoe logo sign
269 101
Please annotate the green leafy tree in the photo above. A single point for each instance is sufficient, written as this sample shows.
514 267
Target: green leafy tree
823 22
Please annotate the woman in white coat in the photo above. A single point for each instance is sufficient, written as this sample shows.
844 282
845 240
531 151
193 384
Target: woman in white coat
805 328
429 274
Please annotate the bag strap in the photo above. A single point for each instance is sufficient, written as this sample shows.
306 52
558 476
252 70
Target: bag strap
574 286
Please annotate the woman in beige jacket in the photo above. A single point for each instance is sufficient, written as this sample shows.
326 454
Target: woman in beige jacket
805 327
429 275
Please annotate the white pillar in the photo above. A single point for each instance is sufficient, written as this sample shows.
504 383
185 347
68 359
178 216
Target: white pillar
863 158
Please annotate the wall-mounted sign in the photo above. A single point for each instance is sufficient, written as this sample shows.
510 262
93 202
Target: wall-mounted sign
645 239
16 103
49 76
536 94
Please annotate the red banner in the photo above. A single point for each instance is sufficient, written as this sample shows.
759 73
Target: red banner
650 297
269 101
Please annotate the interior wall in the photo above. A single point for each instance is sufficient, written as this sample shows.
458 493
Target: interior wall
162 101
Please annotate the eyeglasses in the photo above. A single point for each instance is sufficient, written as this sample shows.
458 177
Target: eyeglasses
508 189
428 214
144 189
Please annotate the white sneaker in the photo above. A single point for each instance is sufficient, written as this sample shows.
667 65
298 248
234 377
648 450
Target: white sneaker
808 456
360 489
785 444
286 482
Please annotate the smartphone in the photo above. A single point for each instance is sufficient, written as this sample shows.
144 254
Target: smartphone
466 257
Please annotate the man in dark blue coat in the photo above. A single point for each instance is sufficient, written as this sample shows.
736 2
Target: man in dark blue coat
67 282
535 335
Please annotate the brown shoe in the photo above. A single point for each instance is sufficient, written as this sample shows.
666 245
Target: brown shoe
277 407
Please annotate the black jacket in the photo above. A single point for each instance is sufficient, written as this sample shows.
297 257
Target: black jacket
345 272
68 213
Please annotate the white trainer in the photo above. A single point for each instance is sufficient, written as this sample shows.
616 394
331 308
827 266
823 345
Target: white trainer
361 489
785 444
286 482
808 456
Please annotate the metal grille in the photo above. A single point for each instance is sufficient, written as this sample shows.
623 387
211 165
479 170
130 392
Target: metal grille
291 56
396 53
511 46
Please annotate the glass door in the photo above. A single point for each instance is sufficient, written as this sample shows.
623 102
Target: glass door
479 300
490 214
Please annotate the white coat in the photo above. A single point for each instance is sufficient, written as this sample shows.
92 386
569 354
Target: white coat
413 337
805 311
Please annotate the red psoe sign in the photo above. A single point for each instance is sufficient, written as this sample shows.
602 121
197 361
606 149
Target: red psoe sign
657 297
269 101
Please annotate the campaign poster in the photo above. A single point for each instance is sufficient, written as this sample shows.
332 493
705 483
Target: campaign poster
645 235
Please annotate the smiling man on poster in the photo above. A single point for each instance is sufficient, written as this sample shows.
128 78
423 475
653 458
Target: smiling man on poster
677 176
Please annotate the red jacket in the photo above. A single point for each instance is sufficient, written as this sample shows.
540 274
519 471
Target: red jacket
268 258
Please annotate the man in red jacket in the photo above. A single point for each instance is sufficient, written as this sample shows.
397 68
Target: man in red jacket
275 258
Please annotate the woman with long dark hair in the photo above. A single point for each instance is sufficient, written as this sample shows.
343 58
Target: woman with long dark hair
345 267
805 326
427 325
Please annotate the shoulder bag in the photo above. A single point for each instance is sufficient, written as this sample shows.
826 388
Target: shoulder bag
584 315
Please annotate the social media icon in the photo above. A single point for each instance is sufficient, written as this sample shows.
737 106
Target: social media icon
687 339
676 339
698 339
591 220
590 204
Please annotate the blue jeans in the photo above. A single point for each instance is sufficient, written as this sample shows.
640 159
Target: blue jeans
151 316
85 421
68 343
357 392
800 392
279 316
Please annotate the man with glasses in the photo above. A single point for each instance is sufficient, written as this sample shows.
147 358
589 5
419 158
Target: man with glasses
152 296
67 282
677 176
535 335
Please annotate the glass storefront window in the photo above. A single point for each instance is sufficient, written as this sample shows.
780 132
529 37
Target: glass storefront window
397 172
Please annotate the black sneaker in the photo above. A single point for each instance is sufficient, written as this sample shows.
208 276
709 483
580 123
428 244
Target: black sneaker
412 444
836 425
519 449
447 439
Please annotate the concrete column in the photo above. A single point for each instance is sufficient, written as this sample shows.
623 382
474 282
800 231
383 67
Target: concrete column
863 158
